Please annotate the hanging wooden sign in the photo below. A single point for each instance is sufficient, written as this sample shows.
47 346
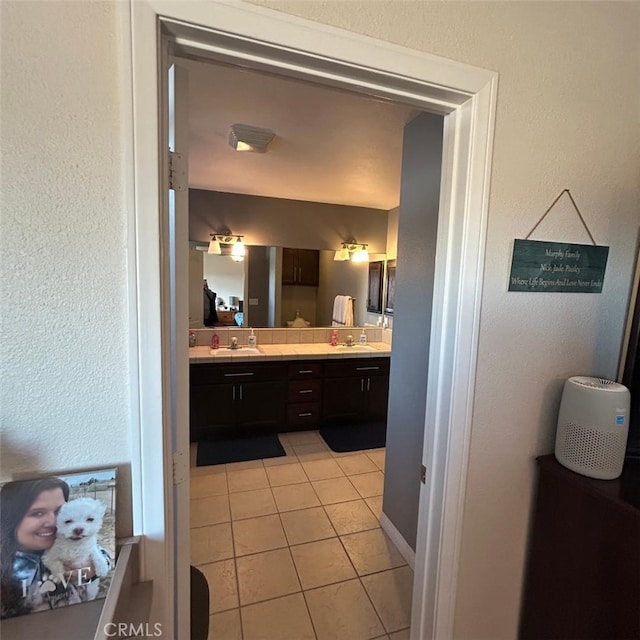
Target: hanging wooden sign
557 267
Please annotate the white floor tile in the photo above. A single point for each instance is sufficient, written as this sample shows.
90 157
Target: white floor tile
303 437
225 626
212 510
372 551
295 496
359 463
335 490
351 517
223 589
251 504
375 504
390 592
211 543
368 484
254 535
247 480
306 525
322 469
213 484
308 452
284 618
267 575
343 612
322 563
377 456
286 474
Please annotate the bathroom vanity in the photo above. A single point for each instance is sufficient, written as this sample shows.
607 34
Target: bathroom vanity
285 388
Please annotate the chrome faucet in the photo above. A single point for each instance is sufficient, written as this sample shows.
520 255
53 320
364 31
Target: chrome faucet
234 343
349 341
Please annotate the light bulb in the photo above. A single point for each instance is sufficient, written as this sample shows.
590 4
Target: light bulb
214 246
238 251
361 255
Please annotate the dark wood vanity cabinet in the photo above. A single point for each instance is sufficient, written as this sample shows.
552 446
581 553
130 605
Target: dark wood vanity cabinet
252 398
301 267
583 571
236 398
355 390
304 394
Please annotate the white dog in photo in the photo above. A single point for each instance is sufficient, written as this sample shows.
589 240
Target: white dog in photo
78 523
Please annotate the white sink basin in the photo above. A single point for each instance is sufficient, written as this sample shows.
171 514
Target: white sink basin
248 351
356 347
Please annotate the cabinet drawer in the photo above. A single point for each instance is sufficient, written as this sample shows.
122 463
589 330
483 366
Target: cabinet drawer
304 370
305 390
303 414
217 373
348 368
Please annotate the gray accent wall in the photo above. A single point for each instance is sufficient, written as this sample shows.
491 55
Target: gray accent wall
285 223
418 221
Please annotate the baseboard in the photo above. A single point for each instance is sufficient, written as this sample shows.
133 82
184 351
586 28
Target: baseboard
396 537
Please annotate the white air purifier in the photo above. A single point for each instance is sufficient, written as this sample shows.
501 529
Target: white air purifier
593 425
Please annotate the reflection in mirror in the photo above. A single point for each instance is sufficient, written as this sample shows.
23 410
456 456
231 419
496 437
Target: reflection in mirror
276 287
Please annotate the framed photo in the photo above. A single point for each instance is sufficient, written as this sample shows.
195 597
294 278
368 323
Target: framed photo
58 540
374 292
391 286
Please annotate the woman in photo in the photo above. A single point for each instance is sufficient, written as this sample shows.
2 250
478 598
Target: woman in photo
28 511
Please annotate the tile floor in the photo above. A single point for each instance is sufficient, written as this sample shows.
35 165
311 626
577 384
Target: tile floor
292 548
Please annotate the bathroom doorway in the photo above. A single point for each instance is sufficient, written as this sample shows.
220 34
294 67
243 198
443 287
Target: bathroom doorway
467 140
312 484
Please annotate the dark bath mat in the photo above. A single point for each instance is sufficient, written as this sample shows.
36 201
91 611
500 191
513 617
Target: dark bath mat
353 437
239 449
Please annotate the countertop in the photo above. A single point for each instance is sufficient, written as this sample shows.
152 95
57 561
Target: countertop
303 351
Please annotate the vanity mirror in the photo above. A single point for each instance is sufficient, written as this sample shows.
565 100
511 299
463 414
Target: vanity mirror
281 287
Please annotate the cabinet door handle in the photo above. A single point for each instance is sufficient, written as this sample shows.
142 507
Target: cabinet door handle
240 392
235 375
361 384
368 384
306 391
234 393
304 415
305 371
367 368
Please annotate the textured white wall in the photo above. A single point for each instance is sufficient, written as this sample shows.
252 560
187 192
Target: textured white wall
65 373
568 104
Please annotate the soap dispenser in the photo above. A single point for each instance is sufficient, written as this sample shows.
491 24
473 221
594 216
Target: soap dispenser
363 337
334 338
252 340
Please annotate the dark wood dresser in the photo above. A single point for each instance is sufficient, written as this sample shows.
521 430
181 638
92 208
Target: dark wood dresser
583 572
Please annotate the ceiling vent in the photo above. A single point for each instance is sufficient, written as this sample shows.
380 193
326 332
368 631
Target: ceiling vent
244 137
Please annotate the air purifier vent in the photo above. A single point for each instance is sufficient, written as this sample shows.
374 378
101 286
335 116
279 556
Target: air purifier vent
591 448
598 383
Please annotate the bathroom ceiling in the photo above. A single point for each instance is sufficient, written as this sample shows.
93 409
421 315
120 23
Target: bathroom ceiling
330 146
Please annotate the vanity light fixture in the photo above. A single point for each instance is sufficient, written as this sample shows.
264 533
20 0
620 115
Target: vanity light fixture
238 250
214 245
353 251
245 137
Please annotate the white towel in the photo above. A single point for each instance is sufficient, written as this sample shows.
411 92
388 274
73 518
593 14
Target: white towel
342 312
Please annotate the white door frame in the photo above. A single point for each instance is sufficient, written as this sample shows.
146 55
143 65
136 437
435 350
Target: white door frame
264 39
